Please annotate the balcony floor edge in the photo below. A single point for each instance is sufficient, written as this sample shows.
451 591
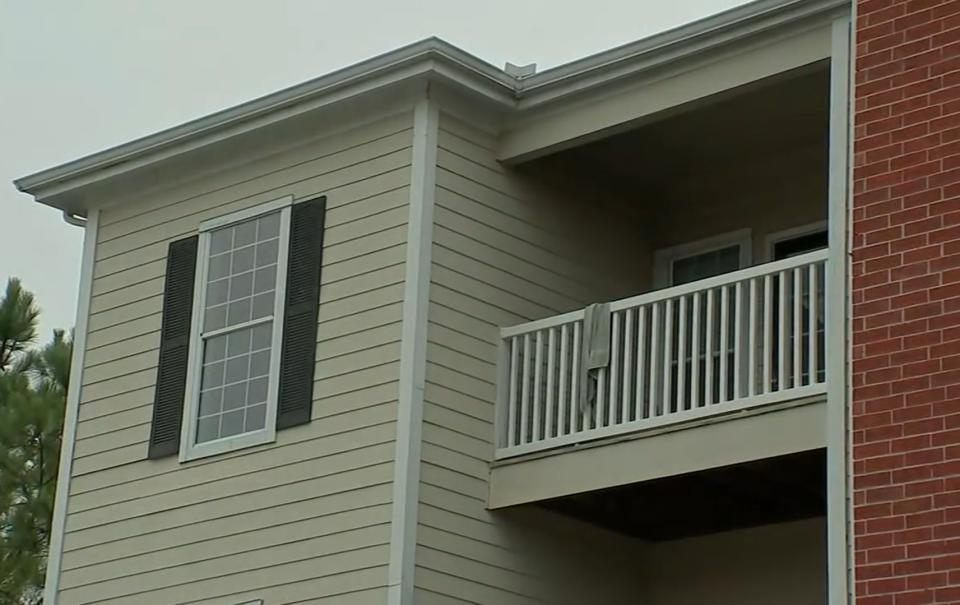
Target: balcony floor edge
753 434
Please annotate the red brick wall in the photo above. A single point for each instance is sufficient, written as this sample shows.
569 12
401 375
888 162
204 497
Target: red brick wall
906 302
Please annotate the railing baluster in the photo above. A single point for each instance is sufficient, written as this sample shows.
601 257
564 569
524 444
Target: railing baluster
548 427
694 346
575 365
512 398
525 391
613 402
738 348
812 359
562 416
724 342
667 356
642 372
797 348
682 356
601 397
823 278
695 353
767 332
708 350
783 351
654 359
537 381
625 390
754 338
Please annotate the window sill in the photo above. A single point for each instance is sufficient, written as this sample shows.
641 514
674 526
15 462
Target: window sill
230 444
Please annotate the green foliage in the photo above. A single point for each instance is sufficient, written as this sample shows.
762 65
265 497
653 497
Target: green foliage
18 322
33 387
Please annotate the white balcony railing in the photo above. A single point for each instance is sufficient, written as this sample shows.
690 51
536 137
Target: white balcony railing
739 340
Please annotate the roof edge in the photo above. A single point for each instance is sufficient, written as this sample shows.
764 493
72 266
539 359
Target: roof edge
474 73
723 26
423 51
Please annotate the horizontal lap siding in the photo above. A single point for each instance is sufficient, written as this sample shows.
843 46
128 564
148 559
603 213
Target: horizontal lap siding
304 520
783 563
768 194
504 251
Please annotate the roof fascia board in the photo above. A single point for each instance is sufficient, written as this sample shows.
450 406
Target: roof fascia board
431 56
695 38
176 176
607 110
467 108
438 60
125 163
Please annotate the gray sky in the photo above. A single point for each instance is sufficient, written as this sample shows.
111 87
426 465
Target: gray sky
76 77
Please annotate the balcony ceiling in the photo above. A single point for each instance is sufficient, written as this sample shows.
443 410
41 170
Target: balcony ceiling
771 118
762 492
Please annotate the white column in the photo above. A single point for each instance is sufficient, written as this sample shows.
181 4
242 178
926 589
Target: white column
839 534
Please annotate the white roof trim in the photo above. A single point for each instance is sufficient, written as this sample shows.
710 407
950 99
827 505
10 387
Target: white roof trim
355 75
654 51
441 59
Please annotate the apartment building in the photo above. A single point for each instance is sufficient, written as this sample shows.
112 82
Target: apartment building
673 323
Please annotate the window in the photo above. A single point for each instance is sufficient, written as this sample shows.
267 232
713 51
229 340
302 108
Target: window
239 330
233 377
703 258
787 244
690 262
799 240
705 264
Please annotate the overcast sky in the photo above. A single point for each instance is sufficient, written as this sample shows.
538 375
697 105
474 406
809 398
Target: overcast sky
77 77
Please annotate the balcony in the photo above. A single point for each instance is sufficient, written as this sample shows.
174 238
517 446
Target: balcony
689 414
706 226
702 350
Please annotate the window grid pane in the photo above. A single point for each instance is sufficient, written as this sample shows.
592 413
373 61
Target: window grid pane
242 272
706 264
241 286
234 389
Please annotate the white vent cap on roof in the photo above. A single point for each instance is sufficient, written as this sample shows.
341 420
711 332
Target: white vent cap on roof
520 71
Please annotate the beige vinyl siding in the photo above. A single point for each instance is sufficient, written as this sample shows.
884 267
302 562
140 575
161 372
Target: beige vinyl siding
768 194
783 563
505 249
308 515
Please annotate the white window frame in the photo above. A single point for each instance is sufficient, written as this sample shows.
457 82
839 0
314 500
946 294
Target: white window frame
664 258
774 238
189 449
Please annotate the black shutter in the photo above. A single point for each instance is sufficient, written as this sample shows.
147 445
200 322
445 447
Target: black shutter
297 359
174 348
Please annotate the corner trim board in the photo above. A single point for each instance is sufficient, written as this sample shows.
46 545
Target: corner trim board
413 345
839 557
72 411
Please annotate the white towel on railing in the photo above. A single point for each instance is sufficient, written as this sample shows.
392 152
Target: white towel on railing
596 336
596 349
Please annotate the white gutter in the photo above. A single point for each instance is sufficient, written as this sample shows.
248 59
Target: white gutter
72 219
674 44
486 79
